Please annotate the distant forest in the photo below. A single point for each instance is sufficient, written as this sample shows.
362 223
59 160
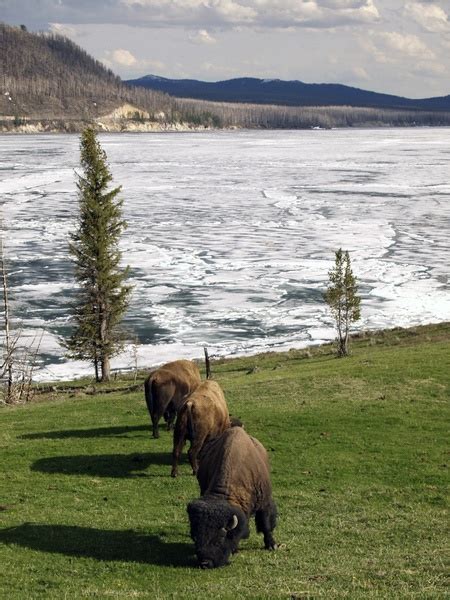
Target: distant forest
47 77
297 117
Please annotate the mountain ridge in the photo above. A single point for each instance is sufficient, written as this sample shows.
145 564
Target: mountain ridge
253 90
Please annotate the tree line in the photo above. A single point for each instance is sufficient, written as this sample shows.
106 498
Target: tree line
297 117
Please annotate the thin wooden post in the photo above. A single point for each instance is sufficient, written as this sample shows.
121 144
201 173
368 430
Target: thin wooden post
207 363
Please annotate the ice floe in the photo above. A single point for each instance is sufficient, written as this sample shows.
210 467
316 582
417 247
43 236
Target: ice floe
231 235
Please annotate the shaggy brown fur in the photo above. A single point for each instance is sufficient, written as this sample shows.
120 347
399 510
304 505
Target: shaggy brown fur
204 416
236 466
235 483
166 389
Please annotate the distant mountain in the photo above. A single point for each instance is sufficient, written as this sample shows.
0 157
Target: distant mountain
250 90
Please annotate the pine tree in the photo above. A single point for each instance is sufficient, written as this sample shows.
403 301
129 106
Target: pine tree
341 296
103 296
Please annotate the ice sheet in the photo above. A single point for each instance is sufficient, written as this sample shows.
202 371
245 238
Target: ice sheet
231 235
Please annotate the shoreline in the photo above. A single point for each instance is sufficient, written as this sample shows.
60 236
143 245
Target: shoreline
306 350
103 127
122 126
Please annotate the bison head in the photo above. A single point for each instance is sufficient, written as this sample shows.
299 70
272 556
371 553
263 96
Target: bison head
216 528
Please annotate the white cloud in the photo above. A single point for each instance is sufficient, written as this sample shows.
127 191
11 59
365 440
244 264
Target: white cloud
240 12
312 13
219 71
355 75
124 58
375 51
426 69
343 3
406 54
405 44
360 74
429 16
188 11
197 14
61 29
362 11
201 37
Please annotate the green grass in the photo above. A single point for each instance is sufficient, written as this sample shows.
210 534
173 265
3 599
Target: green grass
359 469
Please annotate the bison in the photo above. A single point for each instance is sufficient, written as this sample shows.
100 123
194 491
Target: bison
166 388
203 416
235 484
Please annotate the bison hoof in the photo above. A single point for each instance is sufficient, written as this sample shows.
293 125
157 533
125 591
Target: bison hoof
174 474
272 546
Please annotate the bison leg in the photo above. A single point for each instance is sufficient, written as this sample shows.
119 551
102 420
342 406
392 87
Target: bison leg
155 420
177 450
193 453
266 520
149 400
169 417
179 440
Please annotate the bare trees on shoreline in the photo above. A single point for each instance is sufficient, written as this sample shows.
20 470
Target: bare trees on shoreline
19 358
263 116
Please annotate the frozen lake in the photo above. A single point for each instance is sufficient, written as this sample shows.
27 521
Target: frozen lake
231 234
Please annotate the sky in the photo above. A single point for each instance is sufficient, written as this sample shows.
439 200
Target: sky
394 46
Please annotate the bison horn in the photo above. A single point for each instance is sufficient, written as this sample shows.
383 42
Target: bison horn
234 523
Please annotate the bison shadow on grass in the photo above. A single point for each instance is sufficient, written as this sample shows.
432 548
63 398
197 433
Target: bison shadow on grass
103 465
100 544
122 431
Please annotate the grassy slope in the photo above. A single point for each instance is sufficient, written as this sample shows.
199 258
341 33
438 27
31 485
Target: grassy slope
359 472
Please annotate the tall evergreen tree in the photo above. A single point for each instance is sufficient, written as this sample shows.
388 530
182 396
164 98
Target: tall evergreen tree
103 296
342 298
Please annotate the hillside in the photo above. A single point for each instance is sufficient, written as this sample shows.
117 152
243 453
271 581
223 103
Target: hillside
287 93
47 76
359 456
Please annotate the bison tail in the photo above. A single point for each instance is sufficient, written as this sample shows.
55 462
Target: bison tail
190 422
148 394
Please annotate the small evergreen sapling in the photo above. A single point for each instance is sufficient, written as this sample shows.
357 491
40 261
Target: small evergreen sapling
342 298
103 296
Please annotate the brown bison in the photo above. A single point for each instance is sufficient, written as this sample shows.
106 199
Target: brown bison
234 483
203 416
166 388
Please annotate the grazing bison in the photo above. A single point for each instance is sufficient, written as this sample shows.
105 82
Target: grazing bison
203 416
166 388
234 483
